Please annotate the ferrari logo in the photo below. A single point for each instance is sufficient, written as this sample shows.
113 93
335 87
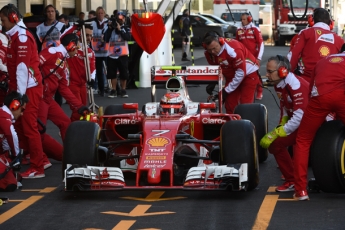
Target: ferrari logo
319 32
158 141
58 63
324 51
192 128
336 60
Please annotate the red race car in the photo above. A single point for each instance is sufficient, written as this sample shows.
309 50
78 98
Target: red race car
171 144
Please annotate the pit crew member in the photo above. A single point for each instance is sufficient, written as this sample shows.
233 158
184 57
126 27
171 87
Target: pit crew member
250 36
238 67
327 90
117 35
54 71
314 43
3 67
293 93
77 79
25 78
14 105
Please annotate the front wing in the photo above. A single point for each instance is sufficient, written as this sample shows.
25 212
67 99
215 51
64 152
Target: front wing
92 178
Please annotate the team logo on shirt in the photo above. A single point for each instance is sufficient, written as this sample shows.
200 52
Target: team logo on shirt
58 61
336 60
240 32
319 32
324 51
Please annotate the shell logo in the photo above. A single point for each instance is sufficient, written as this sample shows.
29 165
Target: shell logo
324 51
158 141
336 60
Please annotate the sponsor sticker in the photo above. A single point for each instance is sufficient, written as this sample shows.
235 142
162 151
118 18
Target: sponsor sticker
158 141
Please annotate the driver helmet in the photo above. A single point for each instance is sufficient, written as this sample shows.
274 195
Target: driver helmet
172 103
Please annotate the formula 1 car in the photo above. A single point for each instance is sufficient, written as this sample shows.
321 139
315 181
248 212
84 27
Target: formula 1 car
175 143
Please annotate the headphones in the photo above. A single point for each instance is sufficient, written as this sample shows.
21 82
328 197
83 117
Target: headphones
12 14
249 17
216 36
71 46
311 20
15 104
282 70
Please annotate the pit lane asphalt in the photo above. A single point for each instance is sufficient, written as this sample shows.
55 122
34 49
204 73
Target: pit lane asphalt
42 203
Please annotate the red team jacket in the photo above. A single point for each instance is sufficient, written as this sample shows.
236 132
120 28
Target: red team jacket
22 59
293 93
250 37
328 75
77 67
50 58
313 44
235 61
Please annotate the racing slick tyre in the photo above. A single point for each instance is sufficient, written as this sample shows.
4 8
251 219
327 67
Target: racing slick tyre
80 144
257 114
327 157
237 145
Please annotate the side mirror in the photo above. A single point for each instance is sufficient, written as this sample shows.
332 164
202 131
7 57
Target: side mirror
130 106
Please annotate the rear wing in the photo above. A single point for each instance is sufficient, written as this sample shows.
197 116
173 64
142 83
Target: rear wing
191 74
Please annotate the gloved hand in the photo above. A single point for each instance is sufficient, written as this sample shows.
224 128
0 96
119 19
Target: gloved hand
91 82
83 110
268 139
284 120
210 88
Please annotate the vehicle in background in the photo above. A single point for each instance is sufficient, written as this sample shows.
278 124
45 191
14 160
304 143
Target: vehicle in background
285 25
237 8
235 24
200 26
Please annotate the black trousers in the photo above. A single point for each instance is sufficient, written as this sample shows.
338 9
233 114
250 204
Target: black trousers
99 73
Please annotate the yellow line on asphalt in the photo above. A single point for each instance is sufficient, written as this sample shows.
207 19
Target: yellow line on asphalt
287 199
30 190
124 225
265 212
272 189
18 208
47 189
15 200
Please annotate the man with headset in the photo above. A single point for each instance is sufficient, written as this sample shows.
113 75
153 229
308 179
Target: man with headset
327 90
238 67
314 43
14 105
54 72
292 91
25 78
250 36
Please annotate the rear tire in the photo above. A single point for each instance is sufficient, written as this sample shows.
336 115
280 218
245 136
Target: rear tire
327 157
80 144
237 144
257 114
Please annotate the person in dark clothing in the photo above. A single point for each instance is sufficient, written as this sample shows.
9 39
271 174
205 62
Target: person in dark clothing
186 32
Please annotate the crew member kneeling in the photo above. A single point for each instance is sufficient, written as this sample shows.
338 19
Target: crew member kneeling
293 93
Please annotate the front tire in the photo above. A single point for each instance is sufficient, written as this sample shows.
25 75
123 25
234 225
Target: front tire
327 157
257 114
80 144
237 145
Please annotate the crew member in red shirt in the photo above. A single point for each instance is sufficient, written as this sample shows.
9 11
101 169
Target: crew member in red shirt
250 36
314 43
293 92
327 90
54 71
238 67
25 78
3 67
77 79
14 105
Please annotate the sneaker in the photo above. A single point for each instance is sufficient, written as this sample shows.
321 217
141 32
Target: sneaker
303 195
124 93
286 187
185 59
32 174
259 95
46 164
112 94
